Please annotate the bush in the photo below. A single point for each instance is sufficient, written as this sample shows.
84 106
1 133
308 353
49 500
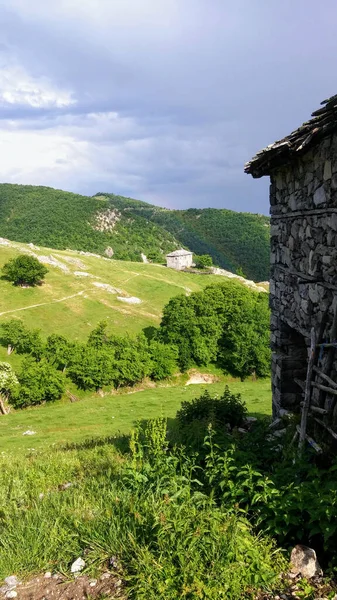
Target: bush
229 408
39 382
203 261
150 510
164 360
24 270
16 336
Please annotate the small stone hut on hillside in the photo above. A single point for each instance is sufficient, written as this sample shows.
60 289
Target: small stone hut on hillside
303 287
180 259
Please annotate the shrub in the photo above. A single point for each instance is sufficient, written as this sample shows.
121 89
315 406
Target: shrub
24 270
39 382
164 360
91 368
59 351
229 408
203 261
16 336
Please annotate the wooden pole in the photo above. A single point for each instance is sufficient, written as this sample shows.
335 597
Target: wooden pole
324 388
325 377
307 391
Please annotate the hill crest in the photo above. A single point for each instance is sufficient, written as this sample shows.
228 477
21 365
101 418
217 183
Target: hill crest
127 229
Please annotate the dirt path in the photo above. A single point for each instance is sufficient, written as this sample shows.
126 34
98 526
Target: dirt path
6 312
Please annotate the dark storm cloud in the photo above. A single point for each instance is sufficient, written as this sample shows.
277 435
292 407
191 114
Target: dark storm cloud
168 98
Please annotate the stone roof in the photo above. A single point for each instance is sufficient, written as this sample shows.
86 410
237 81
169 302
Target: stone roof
181 252
279 153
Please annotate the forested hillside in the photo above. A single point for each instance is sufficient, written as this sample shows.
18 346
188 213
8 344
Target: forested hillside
59 219
236 241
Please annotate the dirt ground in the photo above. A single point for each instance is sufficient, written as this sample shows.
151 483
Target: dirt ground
58 587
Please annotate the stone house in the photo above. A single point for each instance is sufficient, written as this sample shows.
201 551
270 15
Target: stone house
180 259
303 285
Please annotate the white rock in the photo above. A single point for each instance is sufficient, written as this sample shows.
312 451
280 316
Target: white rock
11 594
107 287
77 565
11 581
131 300
47 575
304 562
93 582
29 432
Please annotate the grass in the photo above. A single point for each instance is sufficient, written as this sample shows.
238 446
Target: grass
94 416
87 305
166 532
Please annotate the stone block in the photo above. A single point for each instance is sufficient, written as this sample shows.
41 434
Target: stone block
327 170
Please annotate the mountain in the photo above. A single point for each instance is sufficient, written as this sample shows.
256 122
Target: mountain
59 219
236 241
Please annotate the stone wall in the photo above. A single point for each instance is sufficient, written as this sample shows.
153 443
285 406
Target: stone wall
179 262
303 287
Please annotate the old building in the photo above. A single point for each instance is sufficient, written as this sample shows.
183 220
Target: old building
180 259
303 287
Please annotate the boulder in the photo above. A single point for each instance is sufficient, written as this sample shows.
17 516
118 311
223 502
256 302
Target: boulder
304 562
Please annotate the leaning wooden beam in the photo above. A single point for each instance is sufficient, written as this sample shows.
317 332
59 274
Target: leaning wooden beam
324 388
325 377
317 409
311 442
300 383
334 435
307 391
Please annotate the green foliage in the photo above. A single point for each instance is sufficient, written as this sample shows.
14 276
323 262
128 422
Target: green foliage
8 379
203 261
24 270
232 239
59 351
150 510
164 360
16 336
59 219
226 323
217 411
39 382
92 368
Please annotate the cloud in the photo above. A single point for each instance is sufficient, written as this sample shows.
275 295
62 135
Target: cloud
163 101
17 87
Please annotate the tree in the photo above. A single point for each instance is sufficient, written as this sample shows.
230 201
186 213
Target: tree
92 368
16 336
164 360
24 270
8 383
203 261
98 336
226 323
59 351
38 382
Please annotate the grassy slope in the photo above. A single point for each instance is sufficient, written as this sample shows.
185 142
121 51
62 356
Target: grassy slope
92 416
75 317
101 417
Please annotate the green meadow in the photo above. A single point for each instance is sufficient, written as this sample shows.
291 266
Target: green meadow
72 305
96 417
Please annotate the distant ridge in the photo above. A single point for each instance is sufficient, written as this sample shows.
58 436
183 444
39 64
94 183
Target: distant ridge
125 228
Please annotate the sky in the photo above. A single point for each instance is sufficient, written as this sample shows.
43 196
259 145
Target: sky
160 100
